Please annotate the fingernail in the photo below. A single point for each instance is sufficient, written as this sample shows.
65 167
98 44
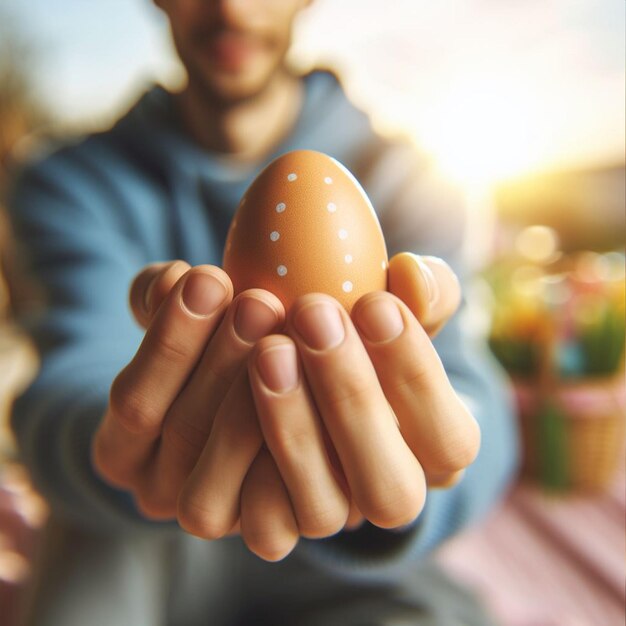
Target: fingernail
379 319
278 367
203 293
254 319
320 325
431 283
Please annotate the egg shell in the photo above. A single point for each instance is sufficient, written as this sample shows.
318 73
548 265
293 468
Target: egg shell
306 225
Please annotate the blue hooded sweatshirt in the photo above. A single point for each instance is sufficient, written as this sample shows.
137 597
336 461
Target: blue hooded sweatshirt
90 215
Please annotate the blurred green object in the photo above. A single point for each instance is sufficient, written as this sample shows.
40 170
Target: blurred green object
602 339
569 320
552 441
559 329
519 358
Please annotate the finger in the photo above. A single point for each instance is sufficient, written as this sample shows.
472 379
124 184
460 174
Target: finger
293 433
268 525
208 502
151 286
385 479
435 423
428 286
253 314
355 517
144 390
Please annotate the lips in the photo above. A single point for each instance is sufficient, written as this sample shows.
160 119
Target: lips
231 51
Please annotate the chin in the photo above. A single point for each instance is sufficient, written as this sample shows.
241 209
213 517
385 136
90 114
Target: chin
232 90
231 87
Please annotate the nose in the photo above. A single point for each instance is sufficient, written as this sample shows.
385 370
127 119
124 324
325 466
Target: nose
235 13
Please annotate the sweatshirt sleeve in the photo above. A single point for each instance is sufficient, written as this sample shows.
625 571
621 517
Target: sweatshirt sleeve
62 214
422 214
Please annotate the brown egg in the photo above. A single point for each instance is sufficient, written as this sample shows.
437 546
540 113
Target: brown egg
306 225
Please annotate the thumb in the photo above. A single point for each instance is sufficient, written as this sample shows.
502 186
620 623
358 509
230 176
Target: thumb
428 286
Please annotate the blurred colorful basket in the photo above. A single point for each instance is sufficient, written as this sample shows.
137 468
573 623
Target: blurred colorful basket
560 333
573 435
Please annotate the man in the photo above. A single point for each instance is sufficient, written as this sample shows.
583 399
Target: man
259 431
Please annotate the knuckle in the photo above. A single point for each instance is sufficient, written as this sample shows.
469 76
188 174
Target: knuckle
171 348
183 436
459 451
416 375
218 375
286 441
200 521
131 409
351 396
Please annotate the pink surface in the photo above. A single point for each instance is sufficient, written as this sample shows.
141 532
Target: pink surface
547 560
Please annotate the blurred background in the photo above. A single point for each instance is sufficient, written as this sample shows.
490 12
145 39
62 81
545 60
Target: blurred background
522 103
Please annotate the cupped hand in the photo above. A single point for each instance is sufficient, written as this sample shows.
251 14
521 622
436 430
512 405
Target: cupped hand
164 402
357 414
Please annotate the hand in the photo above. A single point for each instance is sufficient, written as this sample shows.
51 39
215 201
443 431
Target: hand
164 402
328 394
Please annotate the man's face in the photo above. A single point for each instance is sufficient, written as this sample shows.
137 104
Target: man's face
231 48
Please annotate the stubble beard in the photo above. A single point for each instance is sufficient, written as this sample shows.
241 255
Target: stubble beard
223 96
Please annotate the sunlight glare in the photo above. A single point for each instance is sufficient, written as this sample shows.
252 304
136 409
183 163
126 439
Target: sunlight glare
482 130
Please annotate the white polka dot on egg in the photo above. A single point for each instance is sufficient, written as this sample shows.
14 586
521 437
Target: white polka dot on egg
280 207
347 286
274 235
328 180
342 233
281 270
332 207
292 177
348 258
384 265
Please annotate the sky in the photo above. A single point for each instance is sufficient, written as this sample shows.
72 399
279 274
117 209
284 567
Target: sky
490 88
